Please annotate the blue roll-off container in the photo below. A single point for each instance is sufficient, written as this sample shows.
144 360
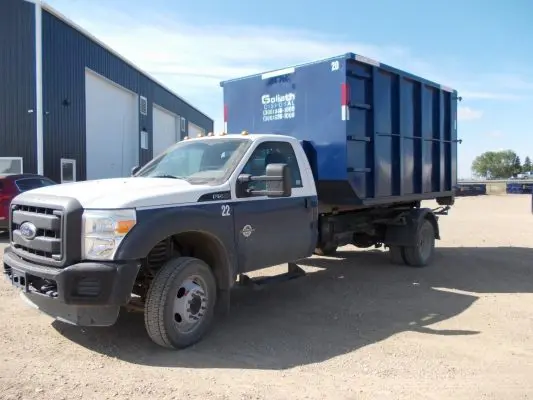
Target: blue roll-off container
374 134
519 187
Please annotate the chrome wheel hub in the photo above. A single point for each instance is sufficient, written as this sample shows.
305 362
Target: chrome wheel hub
190 304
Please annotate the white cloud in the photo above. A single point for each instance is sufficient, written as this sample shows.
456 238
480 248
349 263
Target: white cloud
495 134
509 81
481 95
468 114
496 86
200 57
192 59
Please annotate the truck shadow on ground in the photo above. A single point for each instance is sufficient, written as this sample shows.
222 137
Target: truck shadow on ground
354 300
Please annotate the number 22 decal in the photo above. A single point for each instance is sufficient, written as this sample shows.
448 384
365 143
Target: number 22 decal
225 210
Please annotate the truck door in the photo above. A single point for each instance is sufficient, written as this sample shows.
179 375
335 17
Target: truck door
271 231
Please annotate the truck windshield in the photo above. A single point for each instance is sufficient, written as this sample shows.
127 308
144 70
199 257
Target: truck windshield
198 161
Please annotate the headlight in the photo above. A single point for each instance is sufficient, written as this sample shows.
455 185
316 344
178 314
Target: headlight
103 230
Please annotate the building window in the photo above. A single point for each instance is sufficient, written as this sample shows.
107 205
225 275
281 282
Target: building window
143 105
11 165
183 124
68 170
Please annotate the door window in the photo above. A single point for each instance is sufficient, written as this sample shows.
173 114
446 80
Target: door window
272 153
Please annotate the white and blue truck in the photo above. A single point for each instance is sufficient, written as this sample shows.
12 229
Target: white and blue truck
335 152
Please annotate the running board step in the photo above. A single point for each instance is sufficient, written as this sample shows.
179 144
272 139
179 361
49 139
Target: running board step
293 271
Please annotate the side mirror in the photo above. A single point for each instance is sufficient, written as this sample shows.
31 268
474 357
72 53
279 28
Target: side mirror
135 169
278 182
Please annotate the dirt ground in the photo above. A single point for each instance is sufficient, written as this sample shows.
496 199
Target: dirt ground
356 327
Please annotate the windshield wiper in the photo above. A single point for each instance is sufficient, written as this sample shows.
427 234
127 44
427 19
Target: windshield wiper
167 176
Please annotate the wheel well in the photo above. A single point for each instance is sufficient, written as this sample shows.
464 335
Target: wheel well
207 248
433 219
201 245
402 234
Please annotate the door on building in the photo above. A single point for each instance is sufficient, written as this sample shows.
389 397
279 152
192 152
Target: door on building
112 133
195 130
165 129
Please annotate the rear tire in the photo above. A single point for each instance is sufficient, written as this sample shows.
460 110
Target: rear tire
422 253
179 308
396 254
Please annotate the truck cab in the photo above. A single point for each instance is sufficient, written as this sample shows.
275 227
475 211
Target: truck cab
172 238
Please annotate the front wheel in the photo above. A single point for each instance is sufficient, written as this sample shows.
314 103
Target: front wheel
180 303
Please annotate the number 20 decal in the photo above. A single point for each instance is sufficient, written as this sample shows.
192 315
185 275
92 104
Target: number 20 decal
335 65
225 210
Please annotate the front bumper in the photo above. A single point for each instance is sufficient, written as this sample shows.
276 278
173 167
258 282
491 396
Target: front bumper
84 294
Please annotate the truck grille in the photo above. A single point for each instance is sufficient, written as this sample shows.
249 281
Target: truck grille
47 240
39 230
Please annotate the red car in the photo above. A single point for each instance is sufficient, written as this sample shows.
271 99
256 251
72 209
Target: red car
11 186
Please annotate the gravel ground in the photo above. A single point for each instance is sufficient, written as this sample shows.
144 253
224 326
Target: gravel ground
356 327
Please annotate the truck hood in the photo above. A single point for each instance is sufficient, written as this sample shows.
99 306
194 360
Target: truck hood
124 192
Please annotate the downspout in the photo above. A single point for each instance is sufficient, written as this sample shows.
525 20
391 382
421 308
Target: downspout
39 86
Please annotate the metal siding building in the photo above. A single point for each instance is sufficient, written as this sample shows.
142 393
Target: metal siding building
17 83
83 85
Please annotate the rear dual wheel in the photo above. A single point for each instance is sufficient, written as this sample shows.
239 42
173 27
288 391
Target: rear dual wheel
419 255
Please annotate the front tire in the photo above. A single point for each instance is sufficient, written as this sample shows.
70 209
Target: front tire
180 303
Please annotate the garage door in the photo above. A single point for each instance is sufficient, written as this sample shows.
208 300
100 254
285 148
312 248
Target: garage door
166 131
112 128
194 130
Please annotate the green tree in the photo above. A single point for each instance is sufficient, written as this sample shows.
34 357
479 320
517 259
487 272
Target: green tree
495 164
517 169
526 166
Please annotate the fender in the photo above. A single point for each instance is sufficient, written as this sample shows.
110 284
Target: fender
404 234
156 224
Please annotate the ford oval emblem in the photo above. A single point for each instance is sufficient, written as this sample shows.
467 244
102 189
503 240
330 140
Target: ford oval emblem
28 230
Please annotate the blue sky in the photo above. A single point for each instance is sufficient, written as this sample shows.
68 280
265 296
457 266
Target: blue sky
478 47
